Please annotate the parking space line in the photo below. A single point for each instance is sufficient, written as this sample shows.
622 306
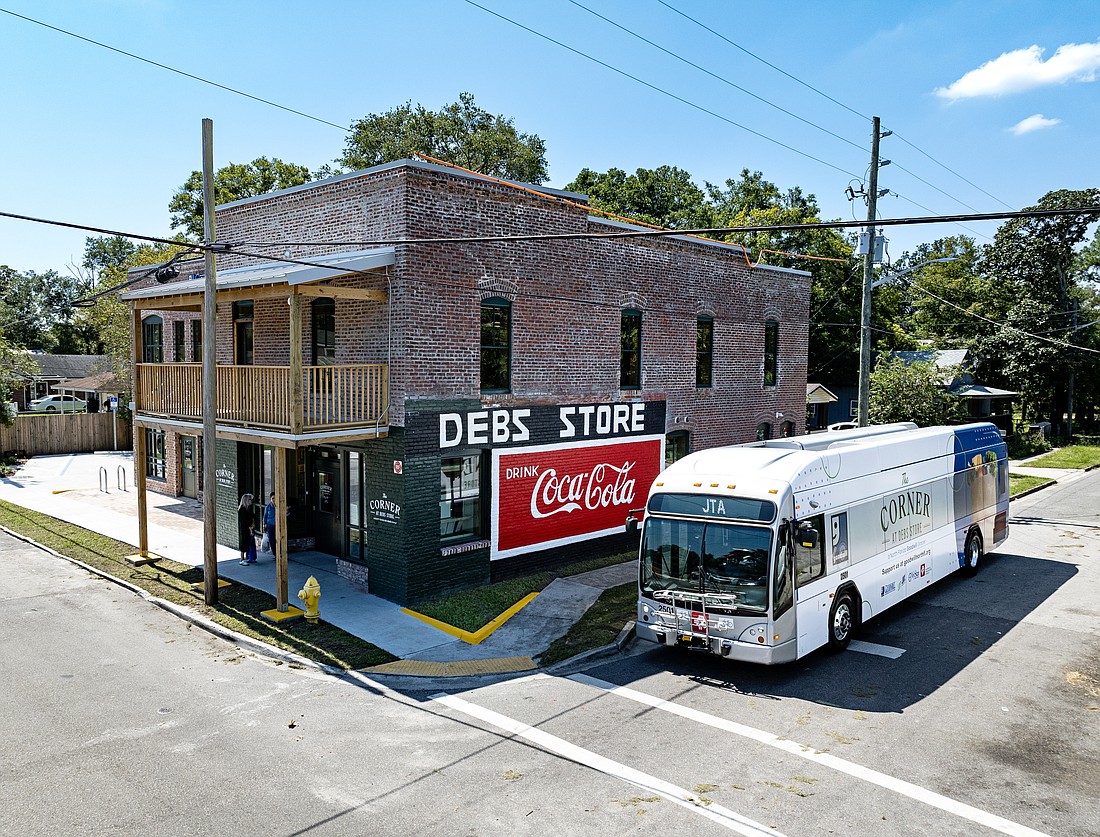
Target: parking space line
876 649
916 792
559 746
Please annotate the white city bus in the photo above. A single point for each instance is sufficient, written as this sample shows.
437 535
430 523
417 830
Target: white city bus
766 551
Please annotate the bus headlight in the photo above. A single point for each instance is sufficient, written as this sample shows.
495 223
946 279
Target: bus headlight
754 633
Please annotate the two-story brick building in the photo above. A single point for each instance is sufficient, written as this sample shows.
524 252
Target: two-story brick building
452 399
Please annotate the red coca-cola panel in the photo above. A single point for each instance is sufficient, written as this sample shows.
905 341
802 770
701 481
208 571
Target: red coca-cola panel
548 496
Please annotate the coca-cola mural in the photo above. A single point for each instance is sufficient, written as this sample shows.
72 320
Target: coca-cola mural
551 495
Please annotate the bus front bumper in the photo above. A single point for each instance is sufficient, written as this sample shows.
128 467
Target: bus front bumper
748 652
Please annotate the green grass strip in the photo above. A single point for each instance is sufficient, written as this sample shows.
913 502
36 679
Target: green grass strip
1073 456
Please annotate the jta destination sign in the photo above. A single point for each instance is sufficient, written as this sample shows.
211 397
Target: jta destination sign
552 495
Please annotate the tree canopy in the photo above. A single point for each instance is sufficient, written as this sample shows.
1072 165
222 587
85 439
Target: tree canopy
232 183
664 196
459 133
916 392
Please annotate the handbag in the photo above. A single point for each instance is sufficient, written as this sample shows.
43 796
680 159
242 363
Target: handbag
265 543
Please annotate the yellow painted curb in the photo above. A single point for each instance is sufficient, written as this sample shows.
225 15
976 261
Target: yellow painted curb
278 616
200 586
482 633
458 668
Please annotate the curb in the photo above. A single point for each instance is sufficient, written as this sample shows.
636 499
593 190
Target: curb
622 641
1032 490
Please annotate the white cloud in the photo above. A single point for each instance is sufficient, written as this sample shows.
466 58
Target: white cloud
1034 123
1024 69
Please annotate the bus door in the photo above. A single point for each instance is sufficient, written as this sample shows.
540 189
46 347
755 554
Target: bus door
782 577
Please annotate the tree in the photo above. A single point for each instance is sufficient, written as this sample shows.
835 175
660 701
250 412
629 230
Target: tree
665 196
33 304
914 392
1036 262
232 183
460 133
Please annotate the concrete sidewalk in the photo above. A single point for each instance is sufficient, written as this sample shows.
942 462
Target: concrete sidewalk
69 487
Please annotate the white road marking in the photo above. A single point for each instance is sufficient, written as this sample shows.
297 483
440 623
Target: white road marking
916 792
873 648
559 746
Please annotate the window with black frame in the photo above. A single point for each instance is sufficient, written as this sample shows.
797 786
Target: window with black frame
242 332
630 347
177 341
156 457
460 497
196 341
152 340
496 345
704 352
771 353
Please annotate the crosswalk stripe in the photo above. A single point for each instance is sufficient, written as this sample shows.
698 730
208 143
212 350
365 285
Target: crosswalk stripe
651 784
883 780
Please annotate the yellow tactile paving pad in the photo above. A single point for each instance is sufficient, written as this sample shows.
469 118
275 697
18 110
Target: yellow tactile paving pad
459 668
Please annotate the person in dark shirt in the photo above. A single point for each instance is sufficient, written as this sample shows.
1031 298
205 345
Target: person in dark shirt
246 522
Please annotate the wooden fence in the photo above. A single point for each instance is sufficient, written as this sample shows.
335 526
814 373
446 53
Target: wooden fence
36 435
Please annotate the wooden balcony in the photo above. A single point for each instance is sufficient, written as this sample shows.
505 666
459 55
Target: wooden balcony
332 398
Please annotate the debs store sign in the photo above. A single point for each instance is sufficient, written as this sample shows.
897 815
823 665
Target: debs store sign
559 474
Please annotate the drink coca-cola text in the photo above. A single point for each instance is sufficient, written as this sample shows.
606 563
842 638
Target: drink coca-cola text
605 485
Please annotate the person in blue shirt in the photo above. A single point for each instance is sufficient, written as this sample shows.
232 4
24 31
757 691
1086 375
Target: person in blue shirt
269 522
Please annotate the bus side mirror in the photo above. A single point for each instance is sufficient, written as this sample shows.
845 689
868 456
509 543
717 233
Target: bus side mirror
807 536
631 521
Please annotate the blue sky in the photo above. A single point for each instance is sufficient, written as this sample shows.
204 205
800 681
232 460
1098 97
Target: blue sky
1006 94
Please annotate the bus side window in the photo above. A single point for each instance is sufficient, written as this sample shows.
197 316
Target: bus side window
782 592
810 561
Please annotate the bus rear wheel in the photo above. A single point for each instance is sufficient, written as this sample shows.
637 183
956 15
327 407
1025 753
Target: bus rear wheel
841 622
972 554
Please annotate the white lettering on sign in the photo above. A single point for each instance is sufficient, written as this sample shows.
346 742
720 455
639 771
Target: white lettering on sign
601 420
605 485
503 426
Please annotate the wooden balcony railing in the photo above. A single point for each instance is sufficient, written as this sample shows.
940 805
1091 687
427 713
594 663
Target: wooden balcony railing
347 396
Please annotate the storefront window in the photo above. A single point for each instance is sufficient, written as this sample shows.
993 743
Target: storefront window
460 497
156 459
357 536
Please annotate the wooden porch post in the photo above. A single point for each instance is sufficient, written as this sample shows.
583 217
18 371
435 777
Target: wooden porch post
136 354
296 394
280 530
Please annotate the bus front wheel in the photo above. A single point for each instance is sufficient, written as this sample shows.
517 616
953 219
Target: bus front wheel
972 556
841 622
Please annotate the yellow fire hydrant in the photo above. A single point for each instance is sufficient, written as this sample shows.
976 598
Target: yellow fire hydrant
309 595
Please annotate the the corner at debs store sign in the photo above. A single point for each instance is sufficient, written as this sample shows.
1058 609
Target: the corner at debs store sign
558 474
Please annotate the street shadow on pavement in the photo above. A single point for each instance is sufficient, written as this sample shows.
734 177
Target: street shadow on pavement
942 630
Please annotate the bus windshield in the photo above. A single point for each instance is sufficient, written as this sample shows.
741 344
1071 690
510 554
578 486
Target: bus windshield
720 564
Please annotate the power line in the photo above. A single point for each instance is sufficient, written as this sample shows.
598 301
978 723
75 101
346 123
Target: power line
233 247
174 70
661 90
838 103
717 77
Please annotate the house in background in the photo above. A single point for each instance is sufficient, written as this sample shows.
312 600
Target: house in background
440 401
54 370
818 399
101 390
982 402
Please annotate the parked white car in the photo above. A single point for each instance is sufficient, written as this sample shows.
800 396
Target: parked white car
58 404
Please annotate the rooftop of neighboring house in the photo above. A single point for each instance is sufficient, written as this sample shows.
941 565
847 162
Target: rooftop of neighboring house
70 366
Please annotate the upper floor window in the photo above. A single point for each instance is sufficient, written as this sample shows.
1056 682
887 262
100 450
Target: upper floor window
152 340
242 332
704 352
324 332
196 341
630 343
771 353
177 341
496 345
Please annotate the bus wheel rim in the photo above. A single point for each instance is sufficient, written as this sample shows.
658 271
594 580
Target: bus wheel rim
842 622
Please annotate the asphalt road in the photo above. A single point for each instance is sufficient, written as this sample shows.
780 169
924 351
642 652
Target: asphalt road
119 718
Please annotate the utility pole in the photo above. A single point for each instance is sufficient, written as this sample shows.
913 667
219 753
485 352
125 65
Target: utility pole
1069 387
868 278
209 377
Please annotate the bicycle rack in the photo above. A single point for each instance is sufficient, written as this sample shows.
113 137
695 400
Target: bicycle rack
103 481
120 478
